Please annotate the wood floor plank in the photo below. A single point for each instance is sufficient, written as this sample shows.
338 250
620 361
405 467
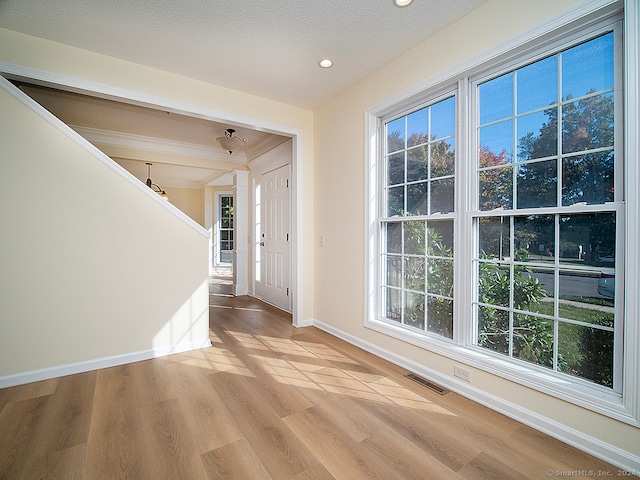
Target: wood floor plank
354 421
272 375
64 464
485 467
235 461
207 418
152 381
114 447
168 450
406 458
340 455
433 436
19 427
281 452
29 390
65 422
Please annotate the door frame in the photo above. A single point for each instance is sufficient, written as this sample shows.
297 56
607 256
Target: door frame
13 71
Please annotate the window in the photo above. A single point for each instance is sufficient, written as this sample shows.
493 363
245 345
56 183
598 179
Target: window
546 146
497 217
226 229
417 253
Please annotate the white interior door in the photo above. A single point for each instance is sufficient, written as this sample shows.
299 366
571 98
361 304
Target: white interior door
275 245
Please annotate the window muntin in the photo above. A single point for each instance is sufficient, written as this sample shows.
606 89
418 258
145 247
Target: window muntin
416 284
546 144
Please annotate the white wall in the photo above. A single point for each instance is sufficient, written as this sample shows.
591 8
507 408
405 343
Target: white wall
339 170
93 267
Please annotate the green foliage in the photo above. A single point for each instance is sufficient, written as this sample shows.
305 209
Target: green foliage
532 336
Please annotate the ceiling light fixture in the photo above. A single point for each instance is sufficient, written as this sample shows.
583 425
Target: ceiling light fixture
402 3
326 63
230 142
153 186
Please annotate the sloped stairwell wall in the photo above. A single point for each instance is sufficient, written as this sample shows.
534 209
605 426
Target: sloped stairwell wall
94 271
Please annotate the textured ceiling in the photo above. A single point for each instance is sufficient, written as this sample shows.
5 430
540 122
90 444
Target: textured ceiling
268 48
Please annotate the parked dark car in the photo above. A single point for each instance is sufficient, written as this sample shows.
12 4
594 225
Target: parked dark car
607 284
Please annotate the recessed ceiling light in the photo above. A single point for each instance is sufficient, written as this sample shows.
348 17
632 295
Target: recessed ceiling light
326 63
401 3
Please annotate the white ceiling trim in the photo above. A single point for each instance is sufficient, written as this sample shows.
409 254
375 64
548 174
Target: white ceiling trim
158 145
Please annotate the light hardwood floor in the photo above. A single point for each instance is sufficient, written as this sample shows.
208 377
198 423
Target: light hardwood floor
266 401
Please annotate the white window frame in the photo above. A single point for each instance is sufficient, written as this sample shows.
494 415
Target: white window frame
559 33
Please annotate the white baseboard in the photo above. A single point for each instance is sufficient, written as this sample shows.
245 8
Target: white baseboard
98 363
624 460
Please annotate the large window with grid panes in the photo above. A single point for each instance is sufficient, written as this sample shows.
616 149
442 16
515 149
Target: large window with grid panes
500 214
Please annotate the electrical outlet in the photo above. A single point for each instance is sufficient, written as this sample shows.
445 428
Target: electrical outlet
322 240
462 373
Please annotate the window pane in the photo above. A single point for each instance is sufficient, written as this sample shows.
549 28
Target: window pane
538 135
440 277
442 158
395 135
527 291
538 85
440 238
442 196
494 237
496 99
417 199
395 171
393 299
494 284
418 127
414 274
533 339
396 201
496 188
588 178
535 291
414 310
537 184
394 271
443 119
587 124
588 67
493 329
586 352
588 239
440 316
414 238
534 238
580 300
394 237
417 168
224 234
496 144
226 223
